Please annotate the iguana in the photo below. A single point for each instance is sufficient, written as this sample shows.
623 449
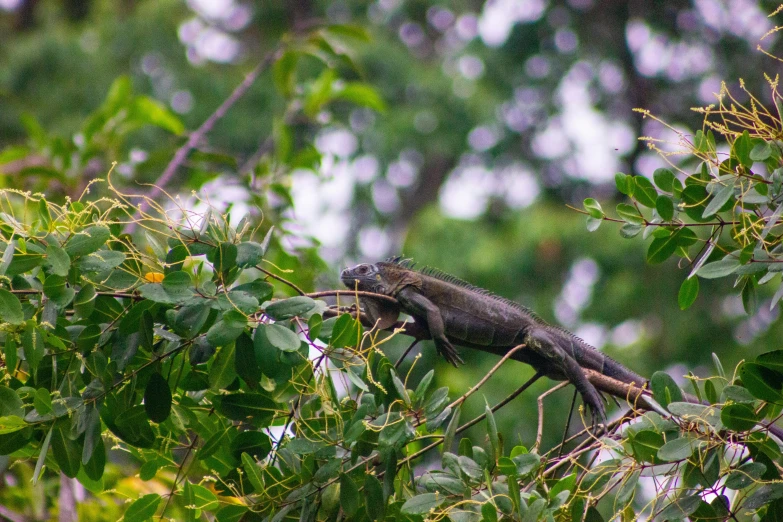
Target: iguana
456 312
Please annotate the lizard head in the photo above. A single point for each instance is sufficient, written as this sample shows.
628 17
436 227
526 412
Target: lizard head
366 277
381 278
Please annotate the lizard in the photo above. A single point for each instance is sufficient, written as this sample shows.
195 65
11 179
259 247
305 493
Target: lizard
456 312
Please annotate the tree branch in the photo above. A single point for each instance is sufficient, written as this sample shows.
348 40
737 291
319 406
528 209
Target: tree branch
195 137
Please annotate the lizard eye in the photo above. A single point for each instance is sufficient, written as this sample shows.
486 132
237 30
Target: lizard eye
377 277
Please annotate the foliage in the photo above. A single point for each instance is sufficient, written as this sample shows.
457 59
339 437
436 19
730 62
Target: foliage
724 219
177 354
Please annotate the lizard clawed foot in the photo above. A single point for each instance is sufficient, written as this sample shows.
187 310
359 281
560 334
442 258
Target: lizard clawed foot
597 410
447 350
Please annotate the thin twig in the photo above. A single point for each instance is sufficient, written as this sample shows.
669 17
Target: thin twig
352 293
568 423
484 379
195 137
405 353
282 280
540 429
475 420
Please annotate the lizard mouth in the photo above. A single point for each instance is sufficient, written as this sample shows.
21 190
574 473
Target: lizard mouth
347 279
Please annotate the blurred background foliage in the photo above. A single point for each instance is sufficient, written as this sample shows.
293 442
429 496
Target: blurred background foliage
489 118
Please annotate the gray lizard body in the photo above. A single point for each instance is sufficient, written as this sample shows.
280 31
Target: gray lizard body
456 312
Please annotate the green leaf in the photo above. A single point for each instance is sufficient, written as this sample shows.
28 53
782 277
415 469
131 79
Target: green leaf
628 230
253 473
11 423
346 332
225 331
749 296
664 178
146 110
677 449
593 208
203 498
626 492
593 223
741 149
624 183
10 403
42 400
492 431
719 198
157 398
32 341
231 513
350 499
87 241
721 268
665 207
58 260
254 443
55 288
697 413
689 290
644 191
645 445
223 372
283 72
747 474
84 302
245 362
291 307
67 453
738 417
282 338
424 385
760 152
224 257
710 392
43 212
260 290
629 214
566 483
422 504
257 407
362 94
763 496
101 261
772 360
143 508
374 502
489 512
42 456
189 319
763 383
662 248
10 308
526 463
249 254
400 387
680 508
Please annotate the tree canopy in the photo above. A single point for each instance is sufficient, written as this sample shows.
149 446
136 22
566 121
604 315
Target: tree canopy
182 182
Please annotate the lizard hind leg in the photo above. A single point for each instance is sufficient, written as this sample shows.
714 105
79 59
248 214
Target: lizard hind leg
447 350
557 361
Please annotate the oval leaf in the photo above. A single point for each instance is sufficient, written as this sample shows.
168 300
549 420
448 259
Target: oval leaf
157 398
422 504
287 308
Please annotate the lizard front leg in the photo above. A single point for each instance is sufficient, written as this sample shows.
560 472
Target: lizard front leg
418 305
562 362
